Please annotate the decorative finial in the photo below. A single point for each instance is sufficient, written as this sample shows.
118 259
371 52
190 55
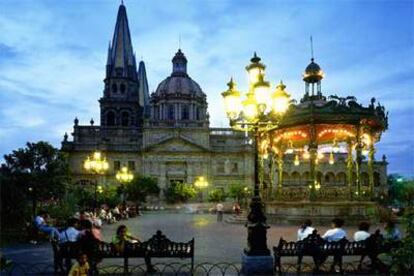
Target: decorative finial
92 121
231 84
76 121
179 41
281 85
311 45
122 2
65 137
255 58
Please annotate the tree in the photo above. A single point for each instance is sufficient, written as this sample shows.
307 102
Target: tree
37 172
179 192
238 191
141 187
216 195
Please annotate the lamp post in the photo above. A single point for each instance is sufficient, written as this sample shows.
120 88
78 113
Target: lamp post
259 113
124 176
200 184
96 165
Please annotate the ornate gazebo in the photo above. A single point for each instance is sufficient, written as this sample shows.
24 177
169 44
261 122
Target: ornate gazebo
318 131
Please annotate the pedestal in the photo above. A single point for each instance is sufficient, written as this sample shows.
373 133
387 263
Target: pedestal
257 265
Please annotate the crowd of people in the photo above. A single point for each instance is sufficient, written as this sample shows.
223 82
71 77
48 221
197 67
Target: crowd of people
84 228
336 233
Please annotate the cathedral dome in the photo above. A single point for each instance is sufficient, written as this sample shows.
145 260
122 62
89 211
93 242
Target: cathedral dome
179 82
313 72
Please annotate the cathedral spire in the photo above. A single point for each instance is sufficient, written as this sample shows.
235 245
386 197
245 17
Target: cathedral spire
143 87
121 60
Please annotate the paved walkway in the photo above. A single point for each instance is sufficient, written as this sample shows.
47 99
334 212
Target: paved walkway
214 241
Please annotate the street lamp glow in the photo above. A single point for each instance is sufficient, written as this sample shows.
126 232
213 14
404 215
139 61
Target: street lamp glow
96 164
280 99
250 107
232 101
262 92
124 175
201 182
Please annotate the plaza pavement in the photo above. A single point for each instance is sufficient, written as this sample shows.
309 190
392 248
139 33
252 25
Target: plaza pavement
214 241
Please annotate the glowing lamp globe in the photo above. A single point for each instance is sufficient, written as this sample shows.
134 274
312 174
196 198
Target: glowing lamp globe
232 101
280 99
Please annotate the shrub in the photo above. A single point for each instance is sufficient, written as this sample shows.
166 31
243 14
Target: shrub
216 195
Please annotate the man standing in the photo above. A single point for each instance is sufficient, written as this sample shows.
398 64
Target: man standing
219 210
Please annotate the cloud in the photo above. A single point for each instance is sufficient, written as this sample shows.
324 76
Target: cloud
52 57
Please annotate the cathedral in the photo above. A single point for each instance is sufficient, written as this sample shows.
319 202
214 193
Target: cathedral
167 135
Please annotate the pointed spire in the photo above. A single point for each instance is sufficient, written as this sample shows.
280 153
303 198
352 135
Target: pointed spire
122 59
143 87
108 59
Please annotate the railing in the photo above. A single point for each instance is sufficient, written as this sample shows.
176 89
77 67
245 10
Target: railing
176 268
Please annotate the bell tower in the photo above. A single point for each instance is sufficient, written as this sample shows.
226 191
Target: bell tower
123 101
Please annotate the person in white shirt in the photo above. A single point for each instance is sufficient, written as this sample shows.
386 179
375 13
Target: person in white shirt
70 234
363 232
305 230
219 209
41 225
336 233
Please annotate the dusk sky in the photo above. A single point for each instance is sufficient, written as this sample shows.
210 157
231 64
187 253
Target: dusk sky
53 54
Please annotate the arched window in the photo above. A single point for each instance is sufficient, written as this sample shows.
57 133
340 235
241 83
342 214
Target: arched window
185 113
377 179
306 178
329 178
125 118
122 88
341 178
170 112
295 178
285 178
114 88
110 118
319 176
364 179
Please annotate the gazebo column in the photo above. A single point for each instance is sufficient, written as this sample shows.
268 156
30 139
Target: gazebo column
350 170
280 172
371 154
358 163
271 175
261 177
313 153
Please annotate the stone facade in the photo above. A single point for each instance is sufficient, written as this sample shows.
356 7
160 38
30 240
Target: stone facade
167 134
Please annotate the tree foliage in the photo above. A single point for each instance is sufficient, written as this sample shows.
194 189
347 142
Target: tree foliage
179 192
238 191
401 191
38 172
216 195
141 187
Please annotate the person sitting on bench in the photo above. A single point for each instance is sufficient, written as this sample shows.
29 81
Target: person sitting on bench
42 226
122 237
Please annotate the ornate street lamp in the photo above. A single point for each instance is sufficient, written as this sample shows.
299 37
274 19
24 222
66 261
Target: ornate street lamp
124 176
260 112
97 165
200 184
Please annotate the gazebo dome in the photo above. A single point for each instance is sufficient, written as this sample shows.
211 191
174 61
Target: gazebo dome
313 73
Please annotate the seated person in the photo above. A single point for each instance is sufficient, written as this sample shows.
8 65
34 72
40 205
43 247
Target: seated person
305 230
42 226
71 233
81 268
391 232
363 231
123 237
89 244
336 233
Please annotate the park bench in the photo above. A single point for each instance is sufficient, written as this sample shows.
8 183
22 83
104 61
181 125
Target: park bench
158 246
319 249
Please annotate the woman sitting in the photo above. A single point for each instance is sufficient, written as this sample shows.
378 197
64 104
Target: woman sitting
120 240
305 230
